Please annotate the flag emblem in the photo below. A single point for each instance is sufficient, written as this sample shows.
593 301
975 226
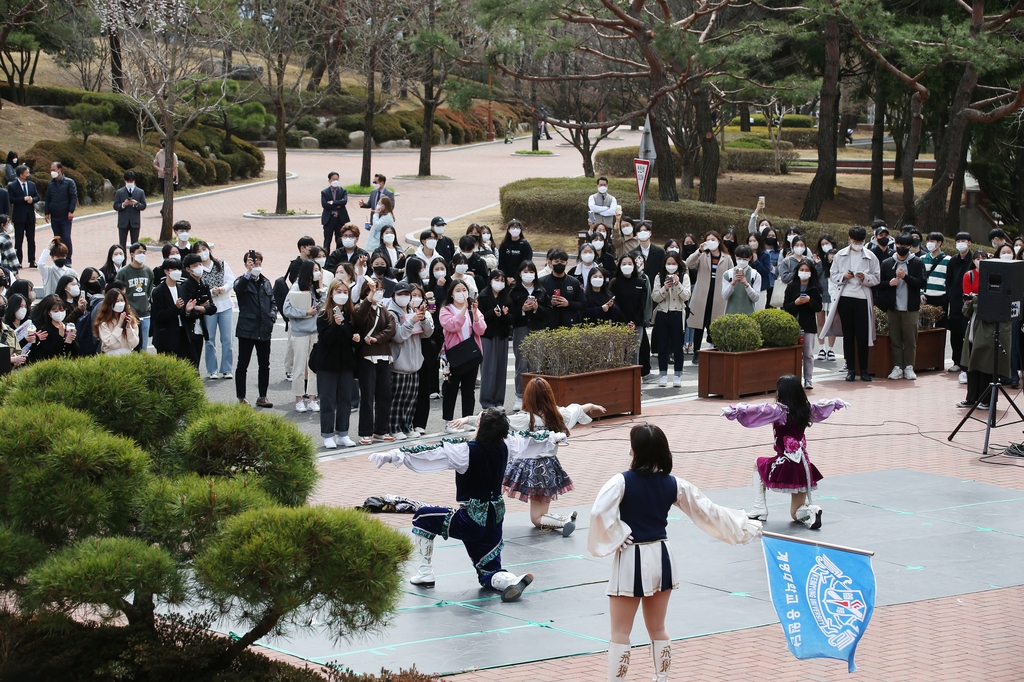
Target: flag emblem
838 608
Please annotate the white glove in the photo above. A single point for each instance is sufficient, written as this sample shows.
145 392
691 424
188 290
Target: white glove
626 543
382 458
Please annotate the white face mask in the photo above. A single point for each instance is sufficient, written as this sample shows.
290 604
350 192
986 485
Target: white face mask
741 263
528 277
643 235
462 268
335 183
460 296
857 247
197 271
256 271
790 238
438 274
804 275
602 189
140 258
119 307
183 237
118 259
9 228
672 249
54 174
21 313
1006 256
515 232
486 238
320 261
627 270
417 301
799 250
205 255
963 246
348 242
597 282
389 238
931 246
378 296
671 269
587 257
598 245
402 301
317 275
1016 248
497 286
340 299
627 230
431 243
175 275
438 229
764 225
57 316
712 245
74 290
826 247
130 186
467 255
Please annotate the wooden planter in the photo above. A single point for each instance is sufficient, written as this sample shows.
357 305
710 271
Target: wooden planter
931 352
617 390
732 375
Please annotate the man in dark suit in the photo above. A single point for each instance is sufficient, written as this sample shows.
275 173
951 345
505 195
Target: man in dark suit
334 200
198 304
61 201
380 183
129 202
167 312
24 196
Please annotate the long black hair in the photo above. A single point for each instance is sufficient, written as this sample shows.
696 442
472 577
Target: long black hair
305 278
13 306
493 427
414 271
790 392
651 453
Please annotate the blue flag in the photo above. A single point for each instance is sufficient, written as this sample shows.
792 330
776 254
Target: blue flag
824 597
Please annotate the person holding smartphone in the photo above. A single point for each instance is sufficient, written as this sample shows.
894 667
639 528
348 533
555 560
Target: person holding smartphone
496 306
54 337
530 306
706 305
803 301
855 270
336 362
412 324
671 292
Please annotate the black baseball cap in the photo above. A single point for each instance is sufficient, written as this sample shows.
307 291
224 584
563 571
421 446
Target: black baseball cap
437 220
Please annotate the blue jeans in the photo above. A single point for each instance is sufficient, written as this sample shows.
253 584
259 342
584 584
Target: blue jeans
222 322
143 334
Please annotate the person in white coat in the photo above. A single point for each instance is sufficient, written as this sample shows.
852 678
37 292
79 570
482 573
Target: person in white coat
629 521
854 271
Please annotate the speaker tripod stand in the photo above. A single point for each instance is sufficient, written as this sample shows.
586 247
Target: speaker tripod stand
991 395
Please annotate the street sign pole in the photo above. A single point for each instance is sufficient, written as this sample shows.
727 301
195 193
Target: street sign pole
647 156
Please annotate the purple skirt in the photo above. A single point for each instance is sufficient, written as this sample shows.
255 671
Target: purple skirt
542 478
783 475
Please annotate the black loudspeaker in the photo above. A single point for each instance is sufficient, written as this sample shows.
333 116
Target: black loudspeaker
1000 290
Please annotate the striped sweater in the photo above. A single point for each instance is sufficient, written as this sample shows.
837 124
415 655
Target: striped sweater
936 284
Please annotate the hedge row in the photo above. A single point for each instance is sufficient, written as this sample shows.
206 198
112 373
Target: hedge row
560 206
618 162
788 121
755 160
757 142
36 95
459 127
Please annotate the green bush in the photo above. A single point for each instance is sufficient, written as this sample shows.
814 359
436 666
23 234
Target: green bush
123 113
140 396
801 138
576 350
778 328
735 333
756 160
387 127
340 104
292 139
228 441
788 121
223 170
757 142
618 162
332 138
310 124
350 122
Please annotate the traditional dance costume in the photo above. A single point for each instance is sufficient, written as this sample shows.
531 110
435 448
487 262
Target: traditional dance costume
479 470
538 473
790 470
629 519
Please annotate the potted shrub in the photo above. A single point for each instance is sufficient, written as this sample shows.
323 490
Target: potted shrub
588 363
751 352
931 342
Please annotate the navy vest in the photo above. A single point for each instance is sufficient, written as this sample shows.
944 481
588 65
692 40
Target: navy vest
645 504
482 480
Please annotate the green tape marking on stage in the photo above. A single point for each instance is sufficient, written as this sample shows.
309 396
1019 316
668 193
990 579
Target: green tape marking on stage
525 563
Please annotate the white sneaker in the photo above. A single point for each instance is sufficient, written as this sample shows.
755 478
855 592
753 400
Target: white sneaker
409 434
963 377
896 373
227 375
663 381
314 405
214 375
435 396
420 430
953 368
452 429
908 373
677 382
519 405
346 442
399 435
300 406
329 443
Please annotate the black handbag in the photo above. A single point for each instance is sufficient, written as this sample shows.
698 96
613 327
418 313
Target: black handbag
312 362
463 353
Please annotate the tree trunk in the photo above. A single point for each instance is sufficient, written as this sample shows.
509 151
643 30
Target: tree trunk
876 209
744 118
261 629
586 149
535 143
316 74
710 157
282 165
909 156
364 175
897 171
665 164
429 105
824 177
116 70
956 193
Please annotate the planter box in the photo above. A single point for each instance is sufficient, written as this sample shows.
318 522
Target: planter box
732 375
931 352
617 390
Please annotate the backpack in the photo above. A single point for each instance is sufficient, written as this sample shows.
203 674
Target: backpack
281 288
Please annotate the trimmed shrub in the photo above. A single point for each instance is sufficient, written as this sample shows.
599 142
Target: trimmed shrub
387 127
332 138
801 138
349 122
233 440
223 170
778 328
579 349
758 142
736 333
123 113
756 160
619 162
292 139
140 396
788 121
310 124
340 104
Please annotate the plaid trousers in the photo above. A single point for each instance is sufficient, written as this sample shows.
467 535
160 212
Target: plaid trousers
404 388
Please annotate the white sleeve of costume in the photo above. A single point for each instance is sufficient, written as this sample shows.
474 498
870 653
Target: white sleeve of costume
520 421
607 530
729 525
524 446
573 415
448 456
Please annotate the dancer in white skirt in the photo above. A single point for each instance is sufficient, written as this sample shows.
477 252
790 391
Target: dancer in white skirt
539 477
629 520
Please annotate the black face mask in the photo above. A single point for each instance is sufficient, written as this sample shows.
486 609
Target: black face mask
379 270
60 262
93 287
558 268
903 250
883 241
689 248
772 242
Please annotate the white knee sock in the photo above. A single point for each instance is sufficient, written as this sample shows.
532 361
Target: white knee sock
618 661
662 651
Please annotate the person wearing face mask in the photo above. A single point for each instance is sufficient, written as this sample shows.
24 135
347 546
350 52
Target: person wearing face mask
564 291
741 285
257 313
167 252
956 270
69 289
792 232
706 303
129 202
460 272
301 306
630 294
883 246
803 301
392 251
379 270
603 249
997 237
61 201
463 327
182 233
477 266
412 324
530 306
495 303
115 261
380 190
625 241
198 305
139 280
514 250
445 246
349 251
24 196
826 252
218 276
10 168
654 255
13 318
671 291
936 265
762 263
602 205
334 202
487 248
336 363
115 325
376 327
729 241
383 216
600 305
427 251
167 310
798 254
92 291
8 256
855 270
51 274
54 336
586 263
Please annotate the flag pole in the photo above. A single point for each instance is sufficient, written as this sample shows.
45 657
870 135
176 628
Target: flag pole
841 548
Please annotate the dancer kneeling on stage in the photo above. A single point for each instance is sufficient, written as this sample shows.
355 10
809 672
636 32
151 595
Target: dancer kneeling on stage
479 468
629 520
790 470
537 476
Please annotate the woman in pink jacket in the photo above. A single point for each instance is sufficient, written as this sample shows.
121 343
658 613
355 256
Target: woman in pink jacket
461 322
